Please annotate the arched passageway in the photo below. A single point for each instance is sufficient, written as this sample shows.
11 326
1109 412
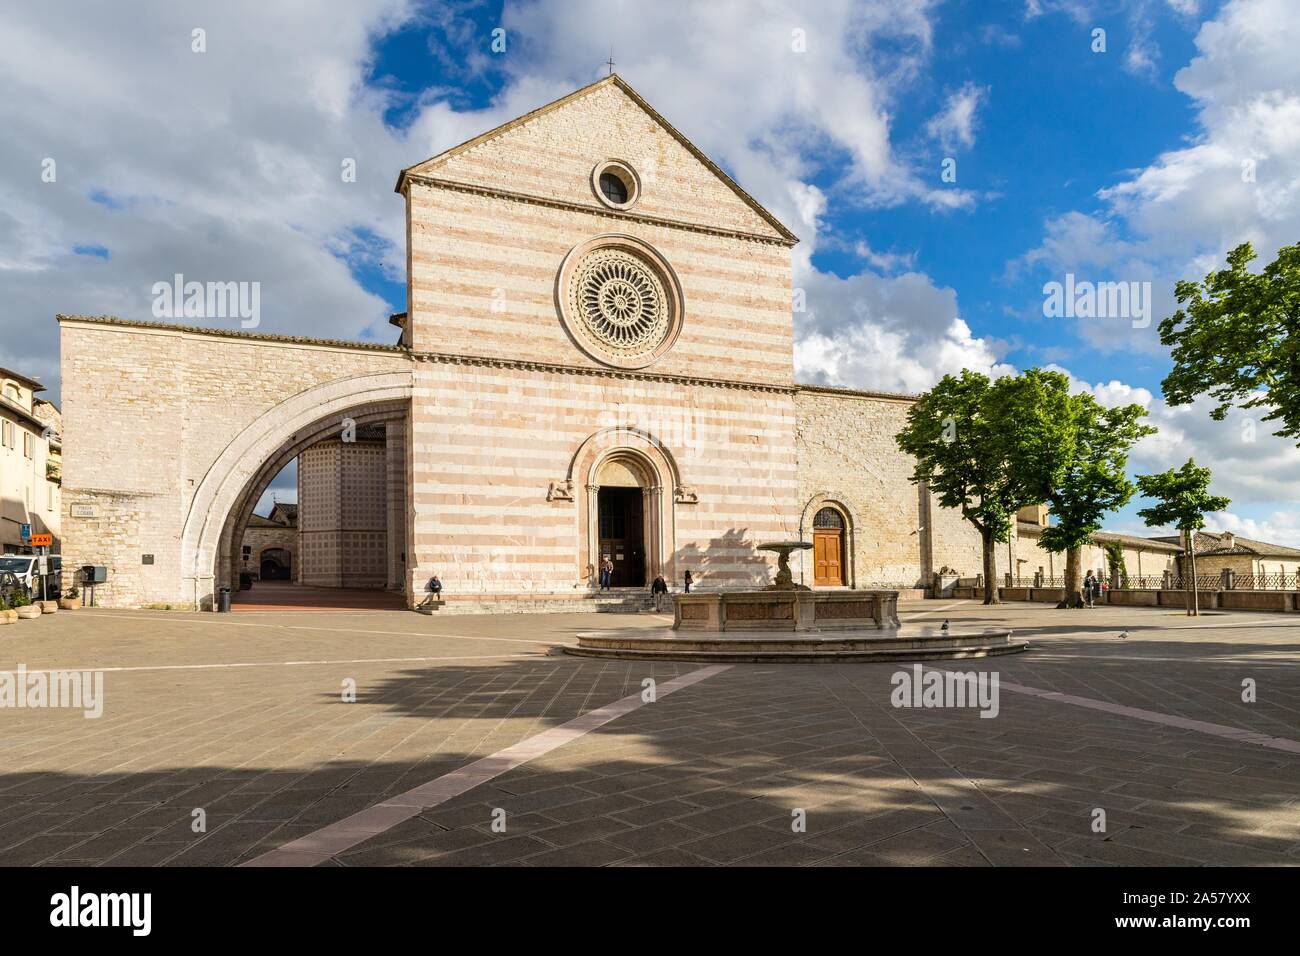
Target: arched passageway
214 528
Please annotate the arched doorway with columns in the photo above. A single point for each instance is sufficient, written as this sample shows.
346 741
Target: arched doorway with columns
626 485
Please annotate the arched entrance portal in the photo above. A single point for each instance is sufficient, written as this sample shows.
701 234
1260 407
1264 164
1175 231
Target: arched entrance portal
627 486
622 489
275 565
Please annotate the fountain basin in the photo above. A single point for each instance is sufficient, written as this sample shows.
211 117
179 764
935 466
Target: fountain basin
785 610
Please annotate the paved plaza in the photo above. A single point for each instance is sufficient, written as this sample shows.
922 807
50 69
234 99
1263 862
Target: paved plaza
243 717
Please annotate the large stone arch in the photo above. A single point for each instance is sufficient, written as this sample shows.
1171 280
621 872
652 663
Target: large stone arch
219 510
662 486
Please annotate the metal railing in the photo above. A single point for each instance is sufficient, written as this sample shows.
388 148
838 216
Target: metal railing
1270 581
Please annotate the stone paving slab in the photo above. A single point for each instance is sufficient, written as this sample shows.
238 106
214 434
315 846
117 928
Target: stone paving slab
242 717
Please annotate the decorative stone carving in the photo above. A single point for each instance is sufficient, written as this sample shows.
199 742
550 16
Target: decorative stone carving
619 300
686 495
560 491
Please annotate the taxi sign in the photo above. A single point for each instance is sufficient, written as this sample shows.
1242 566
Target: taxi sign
42 540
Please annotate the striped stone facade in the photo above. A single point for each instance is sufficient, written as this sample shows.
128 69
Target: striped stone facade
502 421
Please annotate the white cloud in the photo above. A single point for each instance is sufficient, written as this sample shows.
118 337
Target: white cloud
955 125
1279 527
1238 179
1248 463
737 85
221 165
225 164
895 334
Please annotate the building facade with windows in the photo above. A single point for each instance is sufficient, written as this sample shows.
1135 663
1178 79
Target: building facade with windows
30 462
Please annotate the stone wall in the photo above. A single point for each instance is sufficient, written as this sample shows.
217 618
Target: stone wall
147 410
1147 563
500 459
847 455
259 539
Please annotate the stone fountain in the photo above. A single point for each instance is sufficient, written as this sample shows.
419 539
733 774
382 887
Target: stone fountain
784 579
780 623
784 605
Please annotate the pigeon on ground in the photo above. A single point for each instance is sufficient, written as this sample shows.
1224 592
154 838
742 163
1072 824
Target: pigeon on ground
945 625
1123 635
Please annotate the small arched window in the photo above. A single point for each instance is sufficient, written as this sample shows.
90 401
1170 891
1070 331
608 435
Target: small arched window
828 519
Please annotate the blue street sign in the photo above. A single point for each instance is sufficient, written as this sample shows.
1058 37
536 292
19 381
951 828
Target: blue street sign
25 531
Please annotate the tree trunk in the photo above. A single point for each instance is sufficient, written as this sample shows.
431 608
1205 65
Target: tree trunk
1073 584
990 570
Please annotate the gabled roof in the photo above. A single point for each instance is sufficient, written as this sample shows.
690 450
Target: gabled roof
1032 530
31 383
612 80
1134 541
1210 543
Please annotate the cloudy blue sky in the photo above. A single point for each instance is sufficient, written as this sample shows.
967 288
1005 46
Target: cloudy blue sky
1115 164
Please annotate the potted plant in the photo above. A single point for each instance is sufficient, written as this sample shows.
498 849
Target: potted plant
23 606
69 600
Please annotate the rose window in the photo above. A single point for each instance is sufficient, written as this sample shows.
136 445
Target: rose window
620 301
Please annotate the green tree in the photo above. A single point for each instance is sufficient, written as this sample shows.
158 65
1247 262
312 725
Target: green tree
988 448
1115 559
1182 500
1093 482
1238 339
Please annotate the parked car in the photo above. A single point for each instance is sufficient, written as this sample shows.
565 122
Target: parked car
10 587
26 568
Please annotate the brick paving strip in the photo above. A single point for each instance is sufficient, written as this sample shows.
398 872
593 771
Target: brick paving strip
318 847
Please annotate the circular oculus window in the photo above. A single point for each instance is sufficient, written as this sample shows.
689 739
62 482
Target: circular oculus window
616 184
620 301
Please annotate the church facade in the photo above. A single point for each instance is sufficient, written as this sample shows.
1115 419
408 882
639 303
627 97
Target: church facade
595 366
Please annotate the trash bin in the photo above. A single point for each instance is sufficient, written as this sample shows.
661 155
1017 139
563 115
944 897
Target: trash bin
223 600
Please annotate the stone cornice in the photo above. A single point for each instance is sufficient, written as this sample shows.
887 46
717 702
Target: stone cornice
840 392
642 375
268 338
452 358
569 206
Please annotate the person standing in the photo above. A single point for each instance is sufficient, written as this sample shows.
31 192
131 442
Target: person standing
688 580
659 588
1089 589
606 574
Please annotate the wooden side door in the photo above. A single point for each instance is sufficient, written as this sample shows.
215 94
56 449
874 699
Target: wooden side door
828 559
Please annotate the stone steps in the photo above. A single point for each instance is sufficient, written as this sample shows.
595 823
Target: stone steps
627 602
794 648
